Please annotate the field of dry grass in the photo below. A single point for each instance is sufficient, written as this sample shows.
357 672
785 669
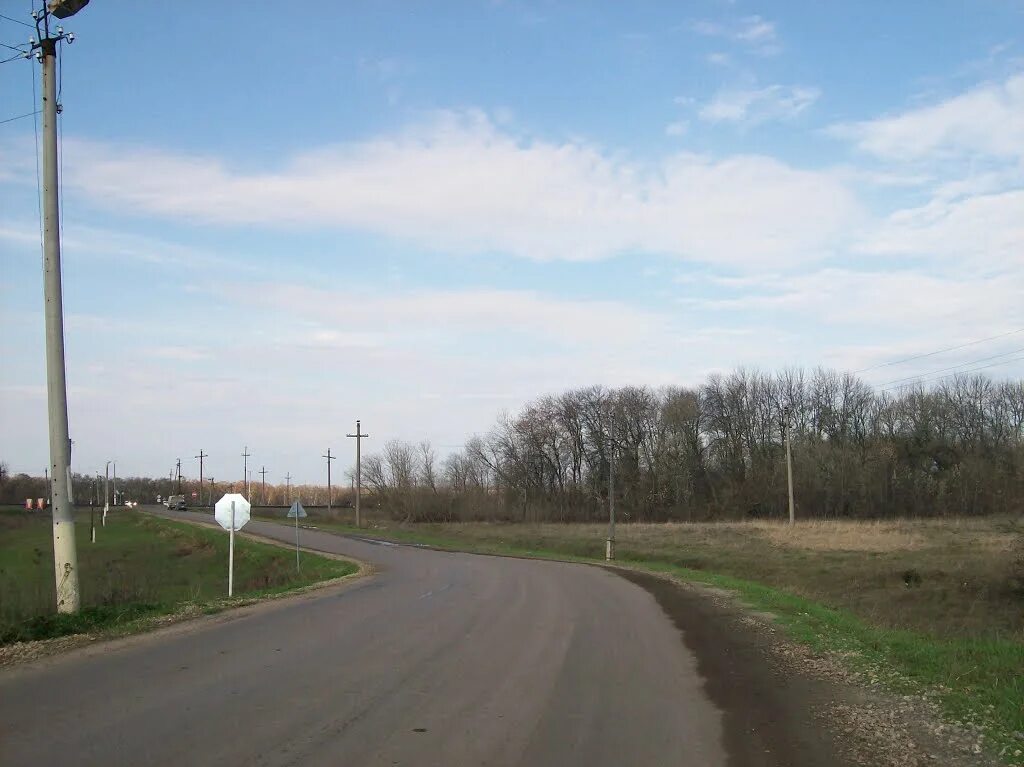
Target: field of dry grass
960 577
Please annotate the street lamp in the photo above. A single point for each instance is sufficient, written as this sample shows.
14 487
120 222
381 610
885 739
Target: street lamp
63 9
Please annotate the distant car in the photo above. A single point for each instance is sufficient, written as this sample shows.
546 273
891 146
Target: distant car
176 502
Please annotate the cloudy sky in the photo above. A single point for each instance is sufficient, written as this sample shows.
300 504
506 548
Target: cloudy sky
421 215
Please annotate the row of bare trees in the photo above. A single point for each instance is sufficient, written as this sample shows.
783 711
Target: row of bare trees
717 452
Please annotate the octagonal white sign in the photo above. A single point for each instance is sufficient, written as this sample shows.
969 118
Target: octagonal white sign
222 511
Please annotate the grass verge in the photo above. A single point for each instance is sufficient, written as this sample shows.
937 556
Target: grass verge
141 570
978 681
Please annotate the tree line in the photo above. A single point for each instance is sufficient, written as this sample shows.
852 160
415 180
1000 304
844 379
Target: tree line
717 451
88 489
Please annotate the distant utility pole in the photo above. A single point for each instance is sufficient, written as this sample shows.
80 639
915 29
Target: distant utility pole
114 489
65 558
359 436
609 551
92 514
106 493
213 491
287 486
263 488
245 469
201 456
178 468
46 483
329 458
789 466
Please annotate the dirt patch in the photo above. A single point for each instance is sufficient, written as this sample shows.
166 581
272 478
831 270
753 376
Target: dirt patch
785 705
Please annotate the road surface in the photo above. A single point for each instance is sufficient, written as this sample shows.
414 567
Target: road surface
436 659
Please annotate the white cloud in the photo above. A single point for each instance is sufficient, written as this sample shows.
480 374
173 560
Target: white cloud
987 120
179 353
677 128
460 184
758 105
983 229
754 32
406 318
945 305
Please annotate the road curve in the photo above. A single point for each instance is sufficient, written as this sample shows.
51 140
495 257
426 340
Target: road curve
437 659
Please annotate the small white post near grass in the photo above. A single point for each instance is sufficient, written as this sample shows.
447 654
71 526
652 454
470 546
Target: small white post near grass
232 512
295 512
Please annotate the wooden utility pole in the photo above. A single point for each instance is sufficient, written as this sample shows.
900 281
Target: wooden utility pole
245 469
359 437
329 458
609 551
201 456
789 466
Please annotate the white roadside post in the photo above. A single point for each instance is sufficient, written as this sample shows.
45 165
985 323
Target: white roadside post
297 511
232 513
231 553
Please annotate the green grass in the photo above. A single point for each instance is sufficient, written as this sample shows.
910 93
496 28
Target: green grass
975 674
140 567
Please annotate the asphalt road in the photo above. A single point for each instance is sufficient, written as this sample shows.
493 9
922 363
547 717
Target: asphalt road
436 659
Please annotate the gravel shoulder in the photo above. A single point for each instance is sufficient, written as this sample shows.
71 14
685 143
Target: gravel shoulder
780 697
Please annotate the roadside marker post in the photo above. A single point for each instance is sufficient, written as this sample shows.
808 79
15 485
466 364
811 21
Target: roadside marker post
232 513
297 511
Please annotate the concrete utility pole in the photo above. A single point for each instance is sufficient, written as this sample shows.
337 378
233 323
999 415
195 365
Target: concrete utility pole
359 437
65 557
789 467
287 486
609 551
245 469
263 488
329 458
114 489
213 491
201 456
178 471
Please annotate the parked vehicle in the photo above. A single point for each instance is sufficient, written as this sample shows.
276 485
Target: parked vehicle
176 502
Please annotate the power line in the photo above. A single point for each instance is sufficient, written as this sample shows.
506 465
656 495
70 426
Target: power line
18 21
953 367
19 117
959 372
13 48
940 351
20 57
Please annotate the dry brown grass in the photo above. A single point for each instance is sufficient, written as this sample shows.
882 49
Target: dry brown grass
954 577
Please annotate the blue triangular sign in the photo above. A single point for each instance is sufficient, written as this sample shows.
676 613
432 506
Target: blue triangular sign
296 511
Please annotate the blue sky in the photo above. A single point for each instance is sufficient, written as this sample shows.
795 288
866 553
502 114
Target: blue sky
421 215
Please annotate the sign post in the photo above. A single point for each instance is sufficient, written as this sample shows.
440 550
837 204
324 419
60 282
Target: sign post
232 512
297 511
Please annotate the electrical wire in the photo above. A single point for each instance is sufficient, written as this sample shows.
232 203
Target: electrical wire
954 375
951 367
60 143
39 185
21 56
940 351
19 117
17 21
13 48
